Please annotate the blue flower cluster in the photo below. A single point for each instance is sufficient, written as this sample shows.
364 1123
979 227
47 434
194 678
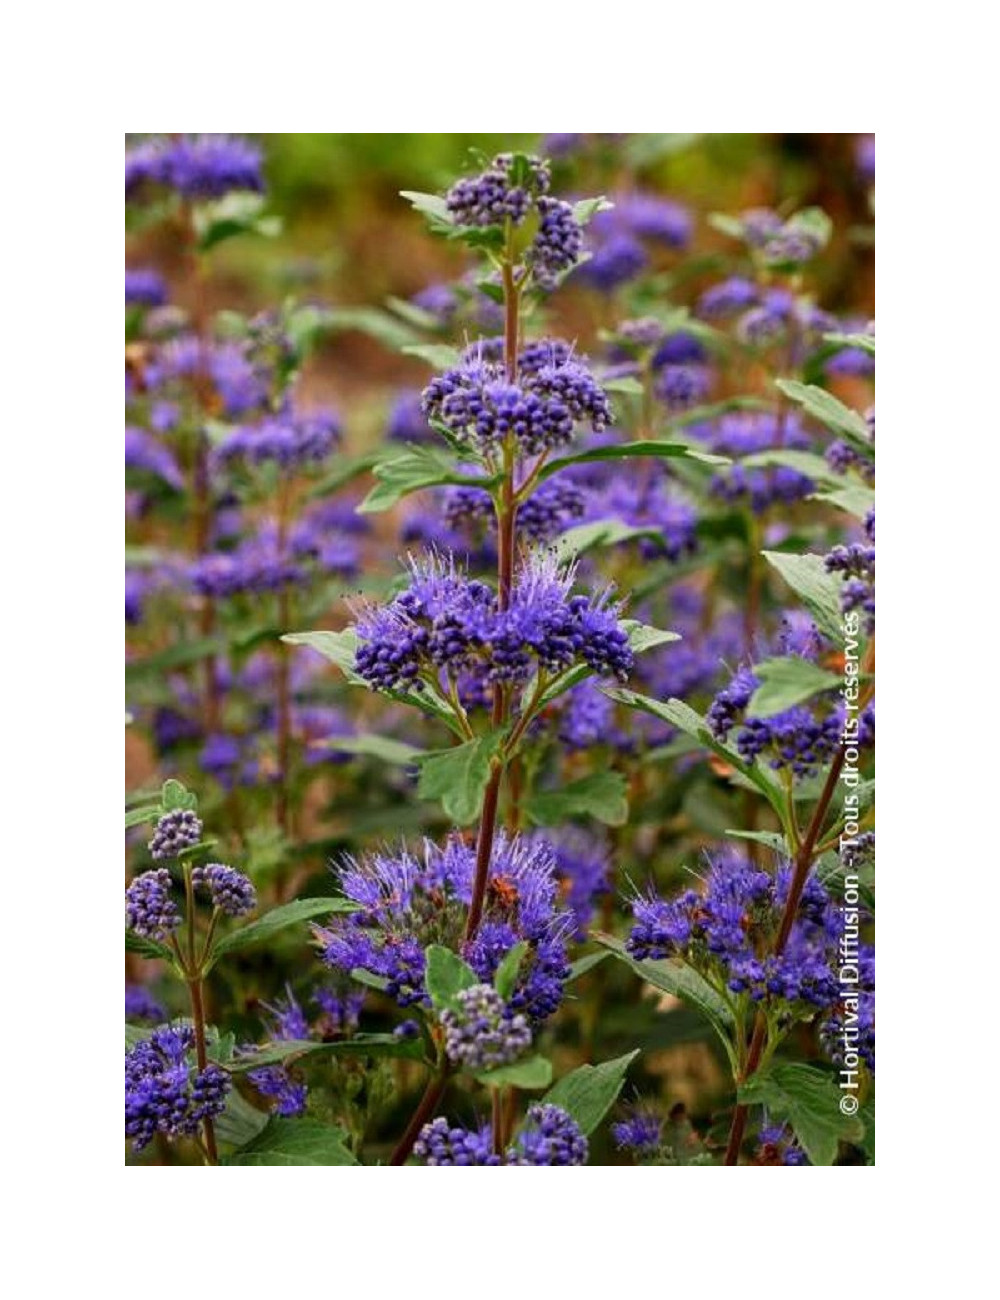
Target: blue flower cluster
776 1145
237 386
292 441
617 238
856 564
229 890
175 831
722 929
149 909
163 1093
553 393
144 454
406 902
549 1136
196 166
640 1133
144 287
479 1031
446 622
141 1005
264 561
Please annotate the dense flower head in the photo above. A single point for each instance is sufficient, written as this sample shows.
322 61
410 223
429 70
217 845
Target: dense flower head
229 890
496 195
549 1136
557 245
583 866
776 1145
291 441
856 565
265 561
406 902
743 433
479 1031
288 1094
163 1093
552 394
237 386
176 830
726 929
144 287
727 297
651 501
148 908
441 1143
196 166
680 387
141 1005
586 718
340 1010
802 738
615 261
446 622
640 1132
407 422
843 457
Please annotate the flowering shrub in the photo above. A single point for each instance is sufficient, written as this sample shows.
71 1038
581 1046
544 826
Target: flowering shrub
516 766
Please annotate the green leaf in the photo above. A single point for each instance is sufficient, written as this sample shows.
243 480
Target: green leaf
726 225
175 656
147 947
390 751
431 205
458 776
786 682
279 918
855 498
235 214
630 450
288 1050
446 975
295 1142
582 965
590 1091
642 637
339 647
682 716
379 325
174 796
410 471
803 462
866 342
601 532
584 210
439 355
601 795
505 979
149 812
818 590
682 982
627 385
810 1101
240 1122
533 1072
346 469
830 411
770 839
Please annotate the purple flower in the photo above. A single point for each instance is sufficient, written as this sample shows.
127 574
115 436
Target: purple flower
291 441
143 452
141 1005
639 1133
495 196
557 246
229 890
163 1094
616 260
197 166
550 1136
407 422
729 296
144 287
479 1031
175 831
440 1143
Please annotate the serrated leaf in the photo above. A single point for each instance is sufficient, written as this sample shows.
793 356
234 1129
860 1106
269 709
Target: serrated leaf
810 1101
175 656
600 532
240 1122
295 1142
786 682
534 1072
278 919
412 471
855 499
584 210
770 839
582 965
339 647
818 590
379 325
505 978
803 462
866 342
458 776
346 469
627 385
432 205
601 795
589 1092
446 975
